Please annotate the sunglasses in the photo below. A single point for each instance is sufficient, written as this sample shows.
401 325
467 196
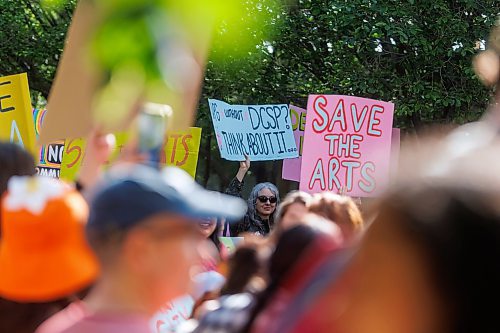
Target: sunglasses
264 199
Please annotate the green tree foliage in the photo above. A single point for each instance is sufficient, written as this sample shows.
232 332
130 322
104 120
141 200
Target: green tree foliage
31 40
416 54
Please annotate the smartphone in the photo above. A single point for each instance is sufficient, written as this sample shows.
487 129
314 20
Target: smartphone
152 123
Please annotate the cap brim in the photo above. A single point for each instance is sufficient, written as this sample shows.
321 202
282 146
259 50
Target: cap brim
201 203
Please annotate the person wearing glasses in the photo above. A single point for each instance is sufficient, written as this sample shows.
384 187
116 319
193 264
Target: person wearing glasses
262 204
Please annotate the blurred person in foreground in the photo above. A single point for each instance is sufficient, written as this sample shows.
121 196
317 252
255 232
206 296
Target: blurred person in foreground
299 251
262 203
14 161
429 262
45 261
292 210
245 270
142 227
210 229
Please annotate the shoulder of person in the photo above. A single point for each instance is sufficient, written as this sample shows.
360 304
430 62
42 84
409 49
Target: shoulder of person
65 320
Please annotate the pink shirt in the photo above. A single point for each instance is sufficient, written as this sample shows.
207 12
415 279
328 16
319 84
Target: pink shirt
76 318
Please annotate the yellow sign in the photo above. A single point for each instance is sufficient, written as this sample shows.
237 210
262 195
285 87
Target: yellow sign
181 150
74 150
16 118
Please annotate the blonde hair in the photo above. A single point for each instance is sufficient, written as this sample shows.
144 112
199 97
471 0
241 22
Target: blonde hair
340 209
292 198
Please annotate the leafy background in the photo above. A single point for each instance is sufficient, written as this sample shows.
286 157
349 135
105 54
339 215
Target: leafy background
416 54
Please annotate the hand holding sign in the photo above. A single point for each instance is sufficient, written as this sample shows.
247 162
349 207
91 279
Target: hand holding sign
244 167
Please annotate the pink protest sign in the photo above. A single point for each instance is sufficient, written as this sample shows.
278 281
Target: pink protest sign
347 145
291 166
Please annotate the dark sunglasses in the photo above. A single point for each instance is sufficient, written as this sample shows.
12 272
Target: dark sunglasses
264 199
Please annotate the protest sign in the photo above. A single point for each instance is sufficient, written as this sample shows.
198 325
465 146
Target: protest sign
263 132
181 149
74 150
16 119
291 166
347 145
230 243
50 156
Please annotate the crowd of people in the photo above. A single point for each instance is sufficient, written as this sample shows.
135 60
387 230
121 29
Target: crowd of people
104 254
107 253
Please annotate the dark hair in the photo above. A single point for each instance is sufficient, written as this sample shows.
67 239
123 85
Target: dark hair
291 245
26 317
214 236
243 265
458 230
14 161
106 242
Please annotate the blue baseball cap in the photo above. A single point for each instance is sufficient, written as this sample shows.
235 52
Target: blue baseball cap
131 193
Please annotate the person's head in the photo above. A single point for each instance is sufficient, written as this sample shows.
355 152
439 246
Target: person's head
45 261
14 161
340 209
210 229
290 246
292 209
298 251
437 245
43 254
143 228
243 265
428 263
263 200
207 226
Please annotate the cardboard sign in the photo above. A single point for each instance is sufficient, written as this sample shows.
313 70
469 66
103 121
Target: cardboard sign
347 145
16 119
181 150
263 132
230 243
291 166
74 151
50 156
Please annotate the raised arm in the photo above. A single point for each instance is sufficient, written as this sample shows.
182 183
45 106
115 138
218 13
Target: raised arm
236 185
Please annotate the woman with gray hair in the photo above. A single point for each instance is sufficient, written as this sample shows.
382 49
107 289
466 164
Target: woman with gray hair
262 204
